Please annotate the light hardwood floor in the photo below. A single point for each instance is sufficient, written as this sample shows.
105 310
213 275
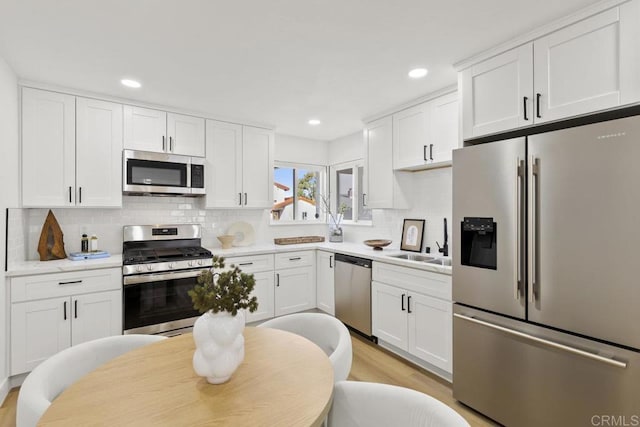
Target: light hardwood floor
370 363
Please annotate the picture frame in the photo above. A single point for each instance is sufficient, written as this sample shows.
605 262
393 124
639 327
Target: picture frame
412 235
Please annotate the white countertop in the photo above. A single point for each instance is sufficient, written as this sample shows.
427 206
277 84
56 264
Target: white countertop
26 268
347 248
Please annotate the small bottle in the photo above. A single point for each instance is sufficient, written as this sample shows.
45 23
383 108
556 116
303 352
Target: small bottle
84 244
93 244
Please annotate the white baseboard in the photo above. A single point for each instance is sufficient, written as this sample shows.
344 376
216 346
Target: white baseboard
416 361
4 390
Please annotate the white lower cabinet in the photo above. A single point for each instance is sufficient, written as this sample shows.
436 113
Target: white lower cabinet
261 266
405 316
54 311
295 290
325 298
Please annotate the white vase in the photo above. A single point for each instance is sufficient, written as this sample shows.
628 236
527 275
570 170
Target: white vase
219 345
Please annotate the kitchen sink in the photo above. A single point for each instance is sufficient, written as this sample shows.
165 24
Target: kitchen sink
414 257
440 261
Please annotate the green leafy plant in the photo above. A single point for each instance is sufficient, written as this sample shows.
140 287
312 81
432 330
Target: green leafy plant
228 290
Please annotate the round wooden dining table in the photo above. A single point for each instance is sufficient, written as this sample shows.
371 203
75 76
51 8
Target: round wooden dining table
284 380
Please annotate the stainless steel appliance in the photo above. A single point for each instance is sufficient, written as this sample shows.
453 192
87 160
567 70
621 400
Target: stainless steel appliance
160 265
352 290
545 283
160 173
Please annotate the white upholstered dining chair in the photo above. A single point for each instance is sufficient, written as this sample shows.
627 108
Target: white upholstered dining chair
54 375
327 332
360 404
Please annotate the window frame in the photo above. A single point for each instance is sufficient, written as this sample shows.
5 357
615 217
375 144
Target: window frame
321 189
357 192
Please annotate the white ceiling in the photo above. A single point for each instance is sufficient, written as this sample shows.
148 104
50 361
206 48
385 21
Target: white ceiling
277 62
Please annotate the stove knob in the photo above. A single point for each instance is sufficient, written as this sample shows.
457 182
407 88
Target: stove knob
199 262
190 263
170 265
150 267
139 268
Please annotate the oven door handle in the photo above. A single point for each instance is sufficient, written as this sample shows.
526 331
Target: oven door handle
157 277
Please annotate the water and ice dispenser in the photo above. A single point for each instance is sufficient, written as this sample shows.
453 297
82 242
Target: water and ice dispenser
478 246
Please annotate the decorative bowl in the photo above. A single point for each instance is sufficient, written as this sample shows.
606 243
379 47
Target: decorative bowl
377 244
226 240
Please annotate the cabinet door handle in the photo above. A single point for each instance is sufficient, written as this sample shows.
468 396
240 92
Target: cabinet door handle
330 261
80 195
69 194
72 282
424 153
363 199
409 304
246 263
524 107
277 279
171 144
75 309
239 199
164 143
65 310
245 199
538 96
430 151
295 258
403 295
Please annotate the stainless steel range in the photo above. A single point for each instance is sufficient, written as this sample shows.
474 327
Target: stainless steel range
161 264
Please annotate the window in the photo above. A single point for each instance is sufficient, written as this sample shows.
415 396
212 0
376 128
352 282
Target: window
347 187
297 191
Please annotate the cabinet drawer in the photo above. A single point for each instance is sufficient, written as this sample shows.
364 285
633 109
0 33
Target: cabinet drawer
30 288
426 282
294 259
252 263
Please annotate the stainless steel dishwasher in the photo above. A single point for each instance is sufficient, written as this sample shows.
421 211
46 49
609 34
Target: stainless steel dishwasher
353 292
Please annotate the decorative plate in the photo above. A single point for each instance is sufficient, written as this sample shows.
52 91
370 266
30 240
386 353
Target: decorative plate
245 235
377 244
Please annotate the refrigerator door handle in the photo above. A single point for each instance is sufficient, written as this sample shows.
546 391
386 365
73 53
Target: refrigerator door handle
533 219
518 202
547 343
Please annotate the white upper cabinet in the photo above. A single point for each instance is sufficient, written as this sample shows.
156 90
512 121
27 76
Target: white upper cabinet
257 167
186 134
496 92
382 184
48 149
71 151
224 165
239 166
424 135
411 137
98 153
589 66
145 129
444 126
157 131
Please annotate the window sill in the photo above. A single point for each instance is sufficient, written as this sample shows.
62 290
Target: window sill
358 224
285 223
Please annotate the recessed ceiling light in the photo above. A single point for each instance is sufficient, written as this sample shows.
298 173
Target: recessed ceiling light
130 83
417 73
314 122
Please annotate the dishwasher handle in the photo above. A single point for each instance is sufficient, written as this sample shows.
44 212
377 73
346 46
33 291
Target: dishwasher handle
361 262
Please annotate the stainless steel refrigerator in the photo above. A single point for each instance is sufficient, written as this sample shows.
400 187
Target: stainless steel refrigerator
546 276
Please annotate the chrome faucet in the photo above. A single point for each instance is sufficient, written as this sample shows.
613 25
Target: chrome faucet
445 248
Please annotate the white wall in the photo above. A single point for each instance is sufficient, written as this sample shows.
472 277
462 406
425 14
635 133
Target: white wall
300 150
346 149
8 191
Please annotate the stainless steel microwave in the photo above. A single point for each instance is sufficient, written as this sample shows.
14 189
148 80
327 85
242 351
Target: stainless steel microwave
145 172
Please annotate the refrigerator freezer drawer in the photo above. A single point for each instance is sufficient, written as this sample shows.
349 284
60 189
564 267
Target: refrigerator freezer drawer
524 375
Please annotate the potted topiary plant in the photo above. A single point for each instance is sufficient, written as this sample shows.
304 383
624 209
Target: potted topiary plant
221 296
